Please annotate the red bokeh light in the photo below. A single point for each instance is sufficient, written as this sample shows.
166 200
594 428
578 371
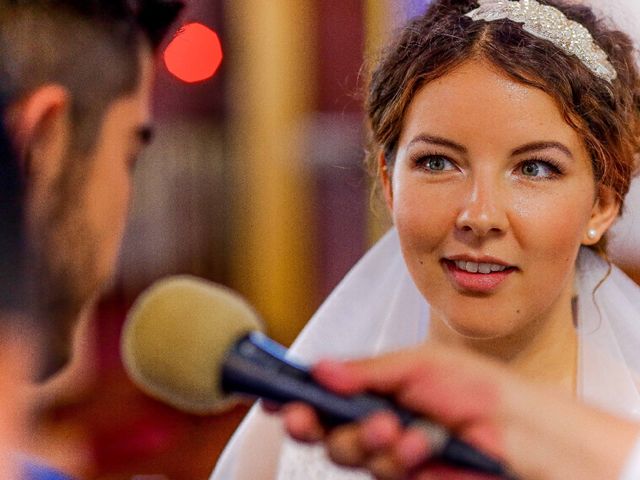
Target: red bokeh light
194 54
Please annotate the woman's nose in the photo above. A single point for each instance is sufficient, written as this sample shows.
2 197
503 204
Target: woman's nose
484 209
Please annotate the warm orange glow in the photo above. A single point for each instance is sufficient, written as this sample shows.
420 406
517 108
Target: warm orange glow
194 54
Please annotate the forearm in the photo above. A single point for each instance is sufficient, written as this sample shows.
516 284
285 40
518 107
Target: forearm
550 437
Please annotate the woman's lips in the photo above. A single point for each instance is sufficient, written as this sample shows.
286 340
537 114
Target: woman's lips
476 282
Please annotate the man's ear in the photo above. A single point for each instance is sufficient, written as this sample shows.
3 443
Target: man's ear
604 213
384 172
40 124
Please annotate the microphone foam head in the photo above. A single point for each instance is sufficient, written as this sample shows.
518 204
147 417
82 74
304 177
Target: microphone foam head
176 336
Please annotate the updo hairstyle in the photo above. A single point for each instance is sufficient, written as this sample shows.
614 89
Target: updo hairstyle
605 115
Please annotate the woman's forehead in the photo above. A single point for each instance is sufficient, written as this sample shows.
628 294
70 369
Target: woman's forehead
477 102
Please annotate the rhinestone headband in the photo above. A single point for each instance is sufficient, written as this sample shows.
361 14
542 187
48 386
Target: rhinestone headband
549 23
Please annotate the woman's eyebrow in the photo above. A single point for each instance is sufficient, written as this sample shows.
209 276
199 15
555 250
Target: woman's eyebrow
536 146
527 148
435 140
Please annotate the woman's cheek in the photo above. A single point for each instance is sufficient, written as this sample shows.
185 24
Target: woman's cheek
422 229
424 211
546 229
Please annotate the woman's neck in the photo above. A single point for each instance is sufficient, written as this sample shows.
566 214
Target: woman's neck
545 351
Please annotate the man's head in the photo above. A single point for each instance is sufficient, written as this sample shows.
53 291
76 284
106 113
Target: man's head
78 76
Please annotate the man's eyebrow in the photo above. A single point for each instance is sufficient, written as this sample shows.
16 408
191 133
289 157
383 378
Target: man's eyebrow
145 134
535 146
435 140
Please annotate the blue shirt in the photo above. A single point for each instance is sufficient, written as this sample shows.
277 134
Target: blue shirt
33 471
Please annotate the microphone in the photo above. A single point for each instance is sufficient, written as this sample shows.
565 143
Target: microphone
175 339
193 344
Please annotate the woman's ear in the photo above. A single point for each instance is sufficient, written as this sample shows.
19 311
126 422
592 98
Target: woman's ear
604 213
40 127
385 174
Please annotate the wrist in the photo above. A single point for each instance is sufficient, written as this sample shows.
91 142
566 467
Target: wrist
549 436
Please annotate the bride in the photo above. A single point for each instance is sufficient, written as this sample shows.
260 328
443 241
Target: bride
505 135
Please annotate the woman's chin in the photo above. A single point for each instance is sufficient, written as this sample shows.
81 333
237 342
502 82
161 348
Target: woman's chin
482 332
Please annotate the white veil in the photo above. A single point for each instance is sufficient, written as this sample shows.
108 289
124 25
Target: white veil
377 308
609 337
618 297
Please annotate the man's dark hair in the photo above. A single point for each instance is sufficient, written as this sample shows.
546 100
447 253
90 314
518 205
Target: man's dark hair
90 47
14 294
93 49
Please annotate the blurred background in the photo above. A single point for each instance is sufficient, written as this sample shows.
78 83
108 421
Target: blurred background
255 180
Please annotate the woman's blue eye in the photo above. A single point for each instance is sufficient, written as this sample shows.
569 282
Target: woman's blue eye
436 163
531 169
539 169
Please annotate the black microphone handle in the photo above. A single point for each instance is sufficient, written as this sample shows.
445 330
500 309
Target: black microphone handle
256 366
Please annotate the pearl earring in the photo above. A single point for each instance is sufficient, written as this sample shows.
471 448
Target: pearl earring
592 233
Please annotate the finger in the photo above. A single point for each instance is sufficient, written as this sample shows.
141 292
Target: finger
392 452
338 376
382 374
385 467
369 445
381 436
386 373
380 432
344 447
429 380
412 448
301 422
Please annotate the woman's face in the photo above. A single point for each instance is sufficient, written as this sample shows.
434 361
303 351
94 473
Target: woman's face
492 194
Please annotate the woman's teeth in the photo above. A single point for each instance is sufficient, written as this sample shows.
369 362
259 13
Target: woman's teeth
474 267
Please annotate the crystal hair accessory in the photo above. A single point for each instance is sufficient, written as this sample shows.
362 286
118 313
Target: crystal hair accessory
549 23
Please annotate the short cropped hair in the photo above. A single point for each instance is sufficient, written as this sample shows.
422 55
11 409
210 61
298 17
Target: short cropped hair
14 294
90 47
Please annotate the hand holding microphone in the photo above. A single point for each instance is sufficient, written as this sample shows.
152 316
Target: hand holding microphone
191 344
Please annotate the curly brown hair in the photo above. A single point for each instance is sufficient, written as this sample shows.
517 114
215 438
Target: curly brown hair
606 115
